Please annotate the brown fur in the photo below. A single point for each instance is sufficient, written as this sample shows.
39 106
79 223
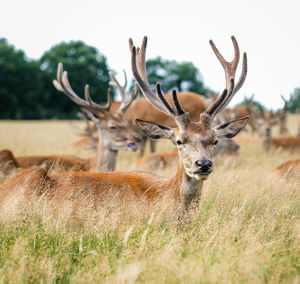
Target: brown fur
7 161
59 163
193 103
286 142
156 161
287 170
82 189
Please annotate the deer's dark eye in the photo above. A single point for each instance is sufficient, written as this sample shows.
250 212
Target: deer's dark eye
113 127
178 142
216 142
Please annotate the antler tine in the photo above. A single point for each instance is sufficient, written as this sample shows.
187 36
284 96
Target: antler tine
62 84
286 103
230 69
105 108
177 104
138 66
163 99
129 98
158 100
283 98
238 85
115 83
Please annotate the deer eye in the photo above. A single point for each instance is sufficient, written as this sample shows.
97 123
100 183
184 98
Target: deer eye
216 142
112 127
178 142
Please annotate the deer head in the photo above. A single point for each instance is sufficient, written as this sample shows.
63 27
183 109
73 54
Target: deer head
264 124
114 129
195 141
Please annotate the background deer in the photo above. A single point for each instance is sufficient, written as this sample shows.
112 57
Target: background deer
115 132
264 126
282 116
195 142
287 170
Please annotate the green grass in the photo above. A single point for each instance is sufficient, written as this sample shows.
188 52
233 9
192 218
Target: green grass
245 230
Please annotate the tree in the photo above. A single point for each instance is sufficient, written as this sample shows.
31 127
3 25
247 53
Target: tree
294 103
85 65
183 76
20 84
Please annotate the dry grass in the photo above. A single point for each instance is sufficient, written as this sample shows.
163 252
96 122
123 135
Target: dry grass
246 229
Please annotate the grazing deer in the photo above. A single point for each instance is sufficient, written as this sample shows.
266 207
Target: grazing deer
115 132
287 170
195 142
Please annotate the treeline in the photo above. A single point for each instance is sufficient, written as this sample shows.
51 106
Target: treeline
27 92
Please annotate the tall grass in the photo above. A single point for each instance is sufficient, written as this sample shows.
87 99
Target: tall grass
245 230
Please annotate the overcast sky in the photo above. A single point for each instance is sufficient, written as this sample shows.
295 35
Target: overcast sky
269 31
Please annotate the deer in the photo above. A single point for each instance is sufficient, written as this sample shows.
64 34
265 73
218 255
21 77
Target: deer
287 170
141 108
195 142
115 132
264 126
163 160
282 116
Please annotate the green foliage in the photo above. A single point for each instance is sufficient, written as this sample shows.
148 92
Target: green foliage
183 76
294 103
20 84
85 65
26 89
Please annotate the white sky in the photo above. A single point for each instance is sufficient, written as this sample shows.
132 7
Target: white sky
268 30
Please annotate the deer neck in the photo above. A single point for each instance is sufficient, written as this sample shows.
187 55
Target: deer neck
186 189
267 140
105 158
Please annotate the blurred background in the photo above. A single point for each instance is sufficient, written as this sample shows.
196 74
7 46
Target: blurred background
91 38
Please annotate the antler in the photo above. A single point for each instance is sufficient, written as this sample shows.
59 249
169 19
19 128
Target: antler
158 100
286 103
127 98
230 69
62 84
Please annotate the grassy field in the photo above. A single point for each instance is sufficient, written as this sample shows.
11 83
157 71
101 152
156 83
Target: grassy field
246 229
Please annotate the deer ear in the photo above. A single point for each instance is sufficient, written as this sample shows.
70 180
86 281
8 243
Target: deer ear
232 128
155 131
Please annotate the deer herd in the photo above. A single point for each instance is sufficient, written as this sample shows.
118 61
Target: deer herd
199 130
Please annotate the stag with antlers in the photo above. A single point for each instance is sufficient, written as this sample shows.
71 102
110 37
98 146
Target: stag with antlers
114 134
195 142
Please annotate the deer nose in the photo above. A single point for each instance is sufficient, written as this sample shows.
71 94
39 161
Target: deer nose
138 138
204 166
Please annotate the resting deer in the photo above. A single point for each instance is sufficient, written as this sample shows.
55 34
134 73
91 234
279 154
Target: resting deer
287 170
195 142
115 132
264 127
